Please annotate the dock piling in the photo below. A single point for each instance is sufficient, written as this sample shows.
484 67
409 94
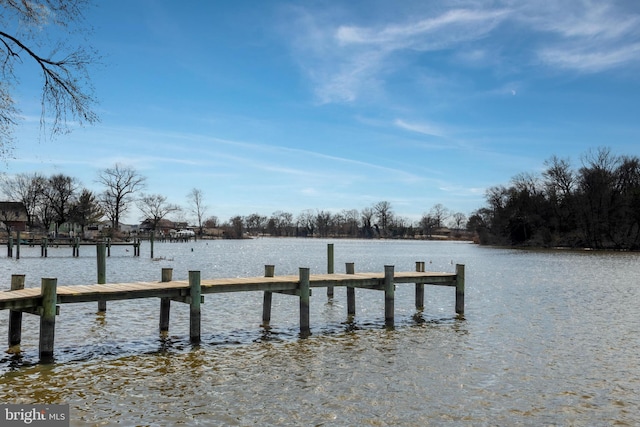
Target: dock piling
15 316
165 302
305 330
269 271
330 269
389 295
195 293
102 272
151 240
460 288
44 247
47 319
351 291
420 287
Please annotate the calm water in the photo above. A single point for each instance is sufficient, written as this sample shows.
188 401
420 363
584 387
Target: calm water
548 338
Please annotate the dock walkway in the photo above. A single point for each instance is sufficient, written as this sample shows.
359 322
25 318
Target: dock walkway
45 301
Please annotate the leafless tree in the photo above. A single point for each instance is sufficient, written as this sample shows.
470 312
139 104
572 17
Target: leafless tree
67 94
121 183
154 208
366 216
27 188
255 223
439 214
197 206
306 222
212 222
384 213
458 220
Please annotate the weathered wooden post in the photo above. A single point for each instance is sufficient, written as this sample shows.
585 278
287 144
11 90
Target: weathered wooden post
305 330
460 288
102 272
330 269
151 239
351 291
18 244
195 293
48 319
269 271
389 295
15 316
43 247
108 246
10 246
165 302
420 287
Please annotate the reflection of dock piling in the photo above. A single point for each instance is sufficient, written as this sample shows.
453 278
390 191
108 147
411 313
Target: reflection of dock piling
44 301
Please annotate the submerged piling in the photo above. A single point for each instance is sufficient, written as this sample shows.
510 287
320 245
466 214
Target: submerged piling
15 316
47 319
330 269
269 271
165 302
305 329
420 287
102 272
351 291
195 294
389 295
460 288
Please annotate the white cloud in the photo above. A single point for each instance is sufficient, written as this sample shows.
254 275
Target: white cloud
348 62
423 128
594 59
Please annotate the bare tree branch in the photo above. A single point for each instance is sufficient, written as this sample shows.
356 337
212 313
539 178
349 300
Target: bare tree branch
67 95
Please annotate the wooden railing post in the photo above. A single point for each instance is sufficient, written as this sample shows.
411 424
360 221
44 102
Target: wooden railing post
460 288
351 291
330 269
102 272
48 319
15 317
389 295
420 287
165 302
269 271
305 329
18 244
195 294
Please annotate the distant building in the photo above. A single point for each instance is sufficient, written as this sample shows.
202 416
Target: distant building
13 216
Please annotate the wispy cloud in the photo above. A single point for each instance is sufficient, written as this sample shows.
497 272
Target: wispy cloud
348 62
423 128
590 36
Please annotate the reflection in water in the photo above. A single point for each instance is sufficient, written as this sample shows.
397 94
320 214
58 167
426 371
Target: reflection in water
548 338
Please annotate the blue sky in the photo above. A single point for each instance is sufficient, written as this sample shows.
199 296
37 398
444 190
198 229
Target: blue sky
294 105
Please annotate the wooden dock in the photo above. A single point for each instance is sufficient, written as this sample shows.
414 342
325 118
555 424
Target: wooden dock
46 300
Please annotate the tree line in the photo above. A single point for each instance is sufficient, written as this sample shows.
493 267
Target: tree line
595 206
60 199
